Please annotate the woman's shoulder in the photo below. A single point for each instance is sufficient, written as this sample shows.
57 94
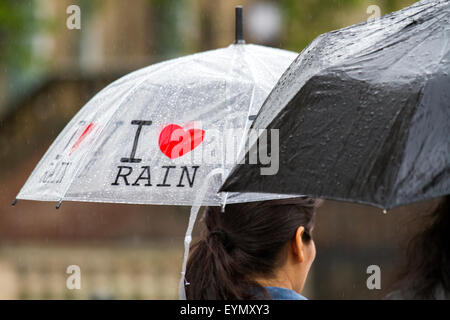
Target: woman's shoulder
278 293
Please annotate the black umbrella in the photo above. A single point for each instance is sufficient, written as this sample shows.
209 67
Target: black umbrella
364 114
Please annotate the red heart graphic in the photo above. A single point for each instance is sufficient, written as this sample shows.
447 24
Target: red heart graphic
175 141
81 138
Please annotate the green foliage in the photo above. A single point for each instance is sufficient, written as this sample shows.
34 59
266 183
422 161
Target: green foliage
307 19
17 22
167 18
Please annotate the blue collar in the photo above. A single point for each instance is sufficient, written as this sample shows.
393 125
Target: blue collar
278 293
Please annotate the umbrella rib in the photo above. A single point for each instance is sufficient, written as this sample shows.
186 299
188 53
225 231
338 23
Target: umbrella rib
264 65
224 198
242 143
399 182
252 99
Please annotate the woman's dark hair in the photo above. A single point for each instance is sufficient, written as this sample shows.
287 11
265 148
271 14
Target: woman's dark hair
242 243
428 258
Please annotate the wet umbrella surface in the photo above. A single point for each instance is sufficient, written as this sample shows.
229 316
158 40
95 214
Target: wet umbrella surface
364 114
154 136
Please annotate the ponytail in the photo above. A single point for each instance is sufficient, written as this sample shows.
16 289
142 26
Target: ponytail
244 241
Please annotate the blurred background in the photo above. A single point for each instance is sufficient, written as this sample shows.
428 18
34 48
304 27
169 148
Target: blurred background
48 72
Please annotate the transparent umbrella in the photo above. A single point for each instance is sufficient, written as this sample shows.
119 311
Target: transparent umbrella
153 136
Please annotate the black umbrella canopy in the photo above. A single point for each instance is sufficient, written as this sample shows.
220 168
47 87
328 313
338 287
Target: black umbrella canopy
363 114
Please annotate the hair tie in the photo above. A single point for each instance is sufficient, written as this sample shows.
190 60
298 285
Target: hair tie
224 238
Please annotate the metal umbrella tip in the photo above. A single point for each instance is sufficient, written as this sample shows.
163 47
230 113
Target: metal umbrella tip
14 202
239 26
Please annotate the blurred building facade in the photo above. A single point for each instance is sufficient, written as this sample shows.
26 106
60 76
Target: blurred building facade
135 251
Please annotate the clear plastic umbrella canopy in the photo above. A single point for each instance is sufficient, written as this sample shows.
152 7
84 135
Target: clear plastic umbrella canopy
158 134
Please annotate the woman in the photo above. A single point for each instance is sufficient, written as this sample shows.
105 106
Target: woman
256 250
427 272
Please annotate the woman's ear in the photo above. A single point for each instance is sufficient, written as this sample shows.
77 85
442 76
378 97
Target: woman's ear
297 244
